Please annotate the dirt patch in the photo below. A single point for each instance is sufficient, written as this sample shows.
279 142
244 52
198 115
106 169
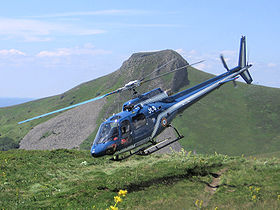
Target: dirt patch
213 186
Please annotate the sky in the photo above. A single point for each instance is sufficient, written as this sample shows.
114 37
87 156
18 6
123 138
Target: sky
48 47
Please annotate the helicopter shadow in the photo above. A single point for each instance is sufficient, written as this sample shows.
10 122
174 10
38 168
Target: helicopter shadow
170 180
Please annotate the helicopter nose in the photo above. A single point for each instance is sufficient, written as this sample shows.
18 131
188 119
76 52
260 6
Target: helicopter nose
92 151
93 154
96 152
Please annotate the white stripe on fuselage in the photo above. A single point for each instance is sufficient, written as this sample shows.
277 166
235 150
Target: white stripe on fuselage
191 98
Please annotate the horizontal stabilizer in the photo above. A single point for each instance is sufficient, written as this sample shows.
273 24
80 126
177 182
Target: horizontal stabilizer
246 76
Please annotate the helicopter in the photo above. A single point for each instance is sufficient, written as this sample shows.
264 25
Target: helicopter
144 117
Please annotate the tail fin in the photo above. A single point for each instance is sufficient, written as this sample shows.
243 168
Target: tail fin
242 61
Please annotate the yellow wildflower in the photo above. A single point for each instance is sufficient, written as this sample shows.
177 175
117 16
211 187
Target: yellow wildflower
6 161
122 193
201 202
257 189
114 208
196 203
117 199
216 208
254 197
250 187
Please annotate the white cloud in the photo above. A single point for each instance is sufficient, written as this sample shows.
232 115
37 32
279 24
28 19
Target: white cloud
31 38
229 52
56 53
180 51
76 57
271 65
150 25
201 66
90 31
187 54
88 49
192 52
212 63
11 52
34 30
93 13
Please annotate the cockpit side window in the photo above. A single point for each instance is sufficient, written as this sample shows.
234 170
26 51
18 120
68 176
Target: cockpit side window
139 121
107 132
125 127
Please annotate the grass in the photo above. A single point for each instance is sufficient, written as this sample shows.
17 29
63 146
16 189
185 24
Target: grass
74 180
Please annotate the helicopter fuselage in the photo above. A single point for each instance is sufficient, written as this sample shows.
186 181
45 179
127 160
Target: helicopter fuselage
146 116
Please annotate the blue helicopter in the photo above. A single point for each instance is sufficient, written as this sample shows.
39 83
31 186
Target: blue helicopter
144 117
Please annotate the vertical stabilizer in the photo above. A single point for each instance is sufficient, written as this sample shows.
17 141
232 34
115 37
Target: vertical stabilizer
242 61
242 52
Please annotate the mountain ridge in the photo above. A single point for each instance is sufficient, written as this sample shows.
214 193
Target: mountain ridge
58 132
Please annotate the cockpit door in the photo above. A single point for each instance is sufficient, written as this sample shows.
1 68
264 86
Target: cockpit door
126 133
142 127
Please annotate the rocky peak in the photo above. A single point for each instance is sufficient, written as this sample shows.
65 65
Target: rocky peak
141 64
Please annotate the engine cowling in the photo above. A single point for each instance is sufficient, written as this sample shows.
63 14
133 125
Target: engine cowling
149 97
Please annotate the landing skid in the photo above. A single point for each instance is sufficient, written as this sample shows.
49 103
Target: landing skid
120 158
158 146
151 148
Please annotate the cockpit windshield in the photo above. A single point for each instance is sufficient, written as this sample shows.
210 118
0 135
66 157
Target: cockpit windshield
107 132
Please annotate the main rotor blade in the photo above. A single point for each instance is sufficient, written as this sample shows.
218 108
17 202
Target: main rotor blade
224 62
157 69
128 86
172 71
68 107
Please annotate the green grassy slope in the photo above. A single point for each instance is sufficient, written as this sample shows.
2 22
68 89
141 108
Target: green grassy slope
234 121
72 179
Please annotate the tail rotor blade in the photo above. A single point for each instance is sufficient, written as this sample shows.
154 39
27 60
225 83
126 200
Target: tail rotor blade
224 62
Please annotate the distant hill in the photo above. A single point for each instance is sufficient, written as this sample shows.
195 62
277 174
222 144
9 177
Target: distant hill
242 120
4 102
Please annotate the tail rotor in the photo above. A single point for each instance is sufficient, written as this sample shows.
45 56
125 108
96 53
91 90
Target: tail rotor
226 67
243 64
